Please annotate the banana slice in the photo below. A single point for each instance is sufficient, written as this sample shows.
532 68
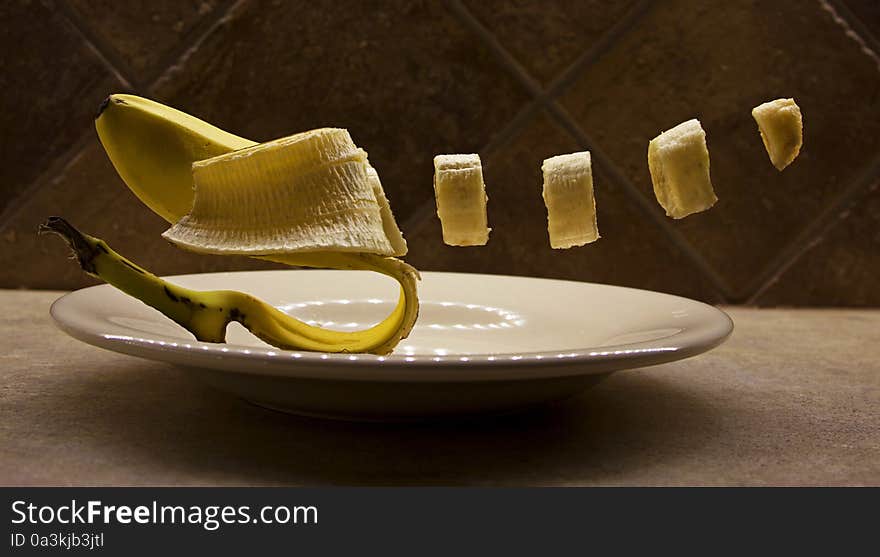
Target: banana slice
782 130
678 160
308 192
461 199
571 205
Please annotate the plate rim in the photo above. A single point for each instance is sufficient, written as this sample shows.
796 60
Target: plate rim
399 367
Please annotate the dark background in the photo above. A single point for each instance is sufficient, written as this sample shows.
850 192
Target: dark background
515 81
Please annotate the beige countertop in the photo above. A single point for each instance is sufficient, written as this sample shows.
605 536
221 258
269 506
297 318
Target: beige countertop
792 398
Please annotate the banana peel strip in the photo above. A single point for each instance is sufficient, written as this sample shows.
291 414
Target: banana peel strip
206 314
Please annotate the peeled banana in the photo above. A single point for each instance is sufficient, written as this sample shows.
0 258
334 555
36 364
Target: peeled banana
461 199
154 148
678 160
571 205
782 130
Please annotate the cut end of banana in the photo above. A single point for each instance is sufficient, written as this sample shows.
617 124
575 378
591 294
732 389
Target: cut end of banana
461 199
571 204
781 126
307 192
678 160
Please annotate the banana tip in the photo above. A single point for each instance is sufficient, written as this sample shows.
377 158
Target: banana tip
105 103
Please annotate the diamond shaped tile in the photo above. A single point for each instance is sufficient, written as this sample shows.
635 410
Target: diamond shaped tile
49 90
143 32
840 268
545 37
716 61
92 197
631 252
404 77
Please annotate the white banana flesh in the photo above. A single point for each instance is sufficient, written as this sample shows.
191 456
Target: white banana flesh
309 192
461 199
782 130
392 231
678 160
571 204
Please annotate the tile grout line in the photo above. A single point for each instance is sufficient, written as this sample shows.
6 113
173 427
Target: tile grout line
196 37
105 53
853 27
811 234
62 161
507 60
567 122
524 116
193 47
594 53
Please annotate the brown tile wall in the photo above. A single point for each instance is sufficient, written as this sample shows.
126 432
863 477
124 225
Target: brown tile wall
517 82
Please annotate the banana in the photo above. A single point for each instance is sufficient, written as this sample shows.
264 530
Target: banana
571 205
781 127
461 199
678 160
207 314
153 148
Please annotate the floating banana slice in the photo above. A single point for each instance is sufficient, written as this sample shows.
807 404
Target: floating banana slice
304 193
782 130
678 160
571 205
461 199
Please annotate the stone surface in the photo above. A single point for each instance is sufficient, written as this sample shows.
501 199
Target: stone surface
411 81
793 398
670 67
49 91
840 267
632 251
143 32
546 37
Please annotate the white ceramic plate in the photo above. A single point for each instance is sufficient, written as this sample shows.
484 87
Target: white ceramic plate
483 343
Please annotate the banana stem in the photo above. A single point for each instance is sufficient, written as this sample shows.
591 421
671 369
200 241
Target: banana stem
206 314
